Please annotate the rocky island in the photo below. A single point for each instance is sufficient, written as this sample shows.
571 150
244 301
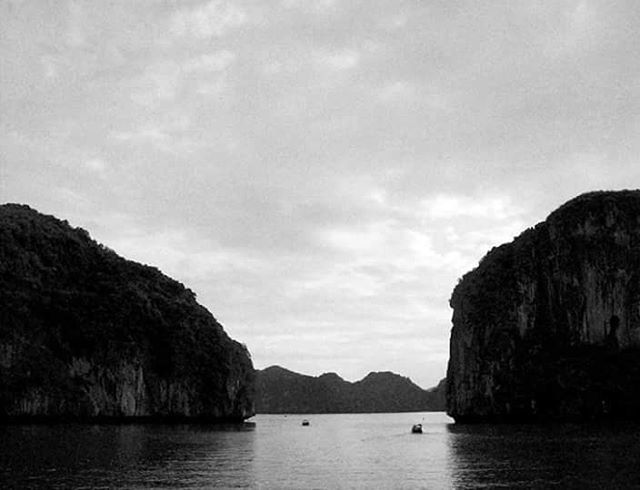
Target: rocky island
88 335
547 327
279 390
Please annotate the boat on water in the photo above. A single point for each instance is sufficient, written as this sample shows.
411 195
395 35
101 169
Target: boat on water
416 429
305 422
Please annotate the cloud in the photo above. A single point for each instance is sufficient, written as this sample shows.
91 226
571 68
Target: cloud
315 6
76 36
50 67
163 81
395 21
375 259
328 174
171 138
182 253
96 165
212 89
578 28
443 206
361 240
153 135
212 62
338 60
159 82
396 91
213 19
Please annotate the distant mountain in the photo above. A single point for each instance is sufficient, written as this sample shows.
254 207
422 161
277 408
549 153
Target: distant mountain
279 390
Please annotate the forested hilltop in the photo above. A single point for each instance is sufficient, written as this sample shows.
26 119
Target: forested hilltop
86 334
279 390
547 327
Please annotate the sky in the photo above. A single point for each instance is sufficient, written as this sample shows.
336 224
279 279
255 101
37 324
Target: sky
319 172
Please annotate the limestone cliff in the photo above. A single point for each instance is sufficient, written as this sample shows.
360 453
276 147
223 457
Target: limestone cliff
86 334
548 326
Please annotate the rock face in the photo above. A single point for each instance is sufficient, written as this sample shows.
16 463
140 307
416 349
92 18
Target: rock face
279 390
86 334
548 326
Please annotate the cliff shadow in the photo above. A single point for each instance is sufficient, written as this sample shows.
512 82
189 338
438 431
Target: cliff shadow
605 455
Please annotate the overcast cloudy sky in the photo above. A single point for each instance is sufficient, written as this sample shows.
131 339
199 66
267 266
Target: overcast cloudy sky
321 172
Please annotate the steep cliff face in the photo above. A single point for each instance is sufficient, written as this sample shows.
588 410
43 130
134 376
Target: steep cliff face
279 390
86 334
548 326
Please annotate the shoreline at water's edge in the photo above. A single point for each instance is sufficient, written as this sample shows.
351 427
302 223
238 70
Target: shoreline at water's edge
351 413
121 420
541 420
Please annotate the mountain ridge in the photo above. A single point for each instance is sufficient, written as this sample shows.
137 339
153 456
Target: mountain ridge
279 390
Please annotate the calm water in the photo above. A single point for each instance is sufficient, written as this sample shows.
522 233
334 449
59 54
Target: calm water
335 451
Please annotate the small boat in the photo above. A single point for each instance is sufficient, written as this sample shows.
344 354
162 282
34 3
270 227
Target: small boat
305 422
416 429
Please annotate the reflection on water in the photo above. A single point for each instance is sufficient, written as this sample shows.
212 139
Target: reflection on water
352 451
125 456
335 451
531 456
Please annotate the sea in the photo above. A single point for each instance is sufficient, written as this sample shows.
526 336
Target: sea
372 451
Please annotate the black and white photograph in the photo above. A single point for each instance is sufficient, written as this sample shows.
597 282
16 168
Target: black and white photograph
319 244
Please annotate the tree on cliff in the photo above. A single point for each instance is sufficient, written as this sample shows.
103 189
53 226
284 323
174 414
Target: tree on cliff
279 390
86 333
548 326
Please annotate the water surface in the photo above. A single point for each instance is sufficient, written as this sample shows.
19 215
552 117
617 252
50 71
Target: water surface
335 451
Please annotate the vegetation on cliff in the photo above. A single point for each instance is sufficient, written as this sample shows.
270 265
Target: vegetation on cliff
85 333
279 390
548 326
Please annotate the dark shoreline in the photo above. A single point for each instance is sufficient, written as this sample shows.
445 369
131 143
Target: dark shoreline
544 420
350 413
120 420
